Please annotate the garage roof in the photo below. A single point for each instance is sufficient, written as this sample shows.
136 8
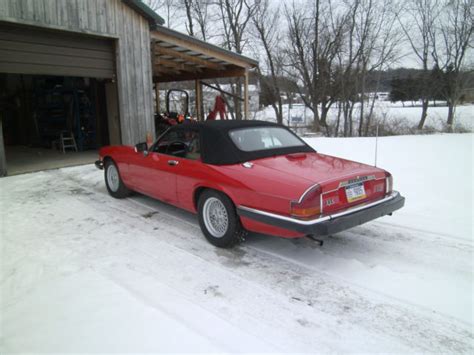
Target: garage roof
145 11
178 57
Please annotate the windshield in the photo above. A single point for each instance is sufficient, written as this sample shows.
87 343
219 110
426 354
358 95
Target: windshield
263 138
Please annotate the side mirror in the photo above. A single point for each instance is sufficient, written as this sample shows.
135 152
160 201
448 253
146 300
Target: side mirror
141 147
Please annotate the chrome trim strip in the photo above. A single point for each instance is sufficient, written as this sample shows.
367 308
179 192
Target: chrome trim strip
329 191
321 219
356 180
306 191
387 179
341 177
321 205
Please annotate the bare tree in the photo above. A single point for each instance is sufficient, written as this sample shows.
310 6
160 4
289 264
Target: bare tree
331 28
418 22
452 41
332 48
378 49
314 40
169 9
203 17
369 45
188 7
235 17
265 23
298 55
347 70
199 16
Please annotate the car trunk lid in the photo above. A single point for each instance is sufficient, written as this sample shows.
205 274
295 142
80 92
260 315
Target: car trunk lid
344 183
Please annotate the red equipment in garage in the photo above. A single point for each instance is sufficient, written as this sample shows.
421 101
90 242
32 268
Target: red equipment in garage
219 107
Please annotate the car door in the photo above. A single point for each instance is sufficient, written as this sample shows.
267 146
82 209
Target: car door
191 171
153 173
156 173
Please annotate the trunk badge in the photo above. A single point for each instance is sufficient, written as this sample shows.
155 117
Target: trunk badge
247 165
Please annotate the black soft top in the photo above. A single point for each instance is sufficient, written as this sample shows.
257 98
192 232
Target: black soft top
217 147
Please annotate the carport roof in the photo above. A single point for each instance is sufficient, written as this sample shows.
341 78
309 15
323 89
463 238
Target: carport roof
178 57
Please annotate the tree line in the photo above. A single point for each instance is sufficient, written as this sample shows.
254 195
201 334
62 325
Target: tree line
434 85
331 53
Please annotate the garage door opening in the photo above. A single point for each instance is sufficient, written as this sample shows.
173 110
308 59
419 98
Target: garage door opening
52 121
58 98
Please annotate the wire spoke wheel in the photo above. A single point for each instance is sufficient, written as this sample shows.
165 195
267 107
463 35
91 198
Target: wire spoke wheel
113 178
218 219
215 217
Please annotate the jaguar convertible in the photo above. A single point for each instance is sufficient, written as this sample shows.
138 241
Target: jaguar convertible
241 176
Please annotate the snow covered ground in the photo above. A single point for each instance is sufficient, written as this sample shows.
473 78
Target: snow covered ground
83 272
386 111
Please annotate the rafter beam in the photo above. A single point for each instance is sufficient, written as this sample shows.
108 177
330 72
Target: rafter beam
176 65
180 40
189 58
162 70
208 74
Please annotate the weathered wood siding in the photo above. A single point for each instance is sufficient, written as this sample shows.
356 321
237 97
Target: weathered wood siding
108 18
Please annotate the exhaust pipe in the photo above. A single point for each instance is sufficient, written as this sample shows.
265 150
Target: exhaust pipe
314 239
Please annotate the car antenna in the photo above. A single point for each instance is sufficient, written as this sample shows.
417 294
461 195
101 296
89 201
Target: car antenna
376 143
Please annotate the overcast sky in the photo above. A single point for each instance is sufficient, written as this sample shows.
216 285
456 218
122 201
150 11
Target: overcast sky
406 57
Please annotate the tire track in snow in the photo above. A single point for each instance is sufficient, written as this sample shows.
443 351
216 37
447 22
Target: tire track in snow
275 270
467 241
327 296
355 236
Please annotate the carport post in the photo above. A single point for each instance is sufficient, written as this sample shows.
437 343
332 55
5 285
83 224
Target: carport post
198 97
246 95
3 159
157 97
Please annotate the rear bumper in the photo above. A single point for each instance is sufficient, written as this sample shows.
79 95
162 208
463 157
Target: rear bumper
99 164
331 224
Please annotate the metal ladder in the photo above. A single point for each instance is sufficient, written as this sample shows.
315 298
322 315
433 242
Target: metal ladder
67 140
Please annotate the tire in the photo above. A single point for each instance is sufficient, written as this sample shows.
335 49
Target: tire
113 181
218 220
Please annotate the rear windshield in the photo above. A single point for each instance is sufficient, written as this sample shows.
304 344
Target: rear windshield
263 138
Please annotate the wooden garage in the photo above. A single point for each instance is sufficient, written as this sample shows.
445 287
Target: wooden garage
97 49
83 74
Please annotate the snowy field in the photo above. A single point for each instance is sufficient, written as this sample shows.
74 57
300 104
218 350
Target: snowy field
385 111
83 272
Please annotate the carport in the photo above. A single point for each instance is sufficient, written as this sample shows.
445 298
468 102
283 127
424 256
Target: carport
178 57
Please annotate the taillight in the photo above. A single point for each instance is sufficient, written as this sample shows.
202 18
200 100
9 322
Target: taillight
309 205
388 183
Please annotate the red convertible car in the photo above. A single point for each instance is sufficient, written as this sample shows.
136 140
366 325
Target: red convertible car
250 176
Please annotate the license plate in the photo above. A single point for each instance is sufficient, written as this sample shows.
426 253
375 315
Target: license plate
355 192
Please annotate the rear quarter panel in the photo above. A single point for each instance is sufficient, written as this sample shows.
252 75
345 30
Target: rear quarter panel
261 189
251 188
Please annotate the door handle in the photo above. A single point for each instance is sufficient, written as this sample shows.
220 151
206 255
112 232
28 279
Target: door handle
173 162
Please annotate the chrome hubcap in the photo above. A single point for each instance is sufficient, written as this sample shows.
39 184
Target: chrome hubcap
215 217
113 177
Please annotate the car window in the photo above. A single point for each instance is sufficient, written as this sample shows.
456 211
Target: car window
194 147
262 138
182 143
